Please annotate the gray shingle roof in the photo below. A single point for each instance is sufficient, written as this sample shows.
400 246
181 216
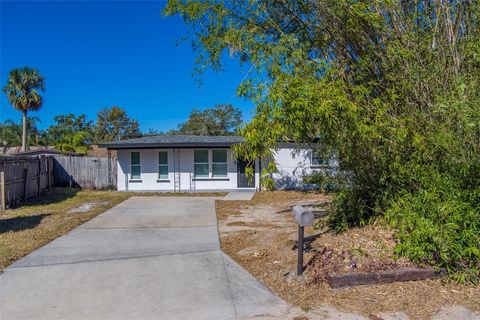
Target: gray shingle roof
174 141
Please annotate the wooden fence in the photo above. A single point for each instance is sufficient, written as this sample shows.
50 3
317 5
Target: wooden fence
85 172
22 178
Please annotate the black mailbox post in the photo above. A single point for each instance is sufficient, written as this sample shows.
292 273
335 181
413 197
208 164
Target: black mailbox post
304 218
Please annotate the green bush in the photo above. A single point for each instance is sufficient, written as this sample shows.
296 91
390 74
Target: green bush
323 180
440 225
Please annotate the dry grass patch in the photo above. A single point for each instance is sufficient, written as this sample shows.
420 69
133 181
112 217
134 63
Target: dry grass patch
261 236
41 220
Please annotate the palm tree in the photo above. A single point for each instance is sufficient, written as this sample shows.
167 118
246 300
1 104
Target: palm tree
22 89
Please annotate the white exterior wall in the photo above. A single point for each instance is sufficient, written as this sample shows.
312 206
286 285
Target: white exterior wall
293 164
149 172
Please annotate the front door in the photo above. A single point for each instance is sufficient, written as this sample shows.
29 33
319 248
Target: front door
242 180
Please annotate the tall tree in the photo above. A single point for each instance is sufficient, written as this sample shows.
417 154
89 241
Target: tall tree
70 133
74 142
23 91
151 132
220 120
392 89
113 124
11 132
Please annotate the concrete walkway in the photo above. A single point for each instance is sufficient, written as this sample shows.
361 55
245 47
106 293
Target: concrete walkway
245 195
147 258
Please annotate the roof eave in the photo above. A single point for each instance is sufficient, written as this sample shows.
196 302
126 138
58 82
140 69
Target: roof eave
117 146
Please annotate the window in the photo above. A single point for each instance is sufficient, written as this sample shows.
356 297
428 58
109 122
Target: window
163 165
135 165
317 160
219 163
200 163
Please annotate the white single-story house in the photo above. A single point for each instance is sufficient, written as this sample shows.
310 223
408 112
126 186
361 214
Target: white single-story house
189 163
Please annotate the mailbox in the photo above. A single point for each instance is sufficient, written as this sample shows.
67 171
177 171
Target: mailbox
303 216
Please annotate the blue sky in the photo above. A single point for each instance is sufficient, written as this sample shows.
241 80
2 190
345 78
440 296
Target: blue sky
99 54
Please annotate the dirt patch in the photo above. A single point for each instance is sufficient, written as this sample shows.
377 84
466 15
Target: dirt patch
368 249
237 223
85 207
261 236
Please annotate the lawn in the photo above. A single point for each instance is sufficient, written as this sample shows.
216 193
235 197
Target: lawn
261 236
41 220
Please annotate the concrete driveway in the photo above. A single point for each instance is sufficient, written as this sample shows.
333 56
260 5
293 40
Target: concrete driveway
147 258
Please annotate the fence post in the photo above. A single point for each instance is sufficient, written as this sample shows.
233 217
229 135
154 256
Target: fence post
25 172
2 191
47 162
109 169
39 178
51 167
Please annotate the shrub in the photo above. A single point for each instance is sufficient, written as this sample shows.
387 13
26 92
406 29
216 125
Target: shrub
322 180
440 225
